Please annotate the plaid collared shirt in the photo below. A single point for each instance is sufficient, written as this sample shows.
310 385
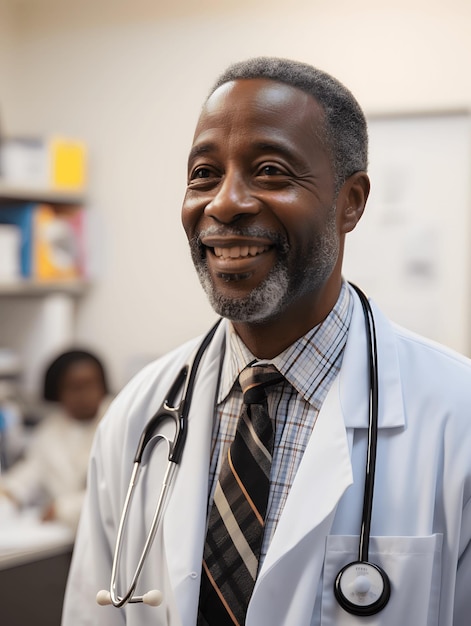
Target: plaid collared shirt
309 366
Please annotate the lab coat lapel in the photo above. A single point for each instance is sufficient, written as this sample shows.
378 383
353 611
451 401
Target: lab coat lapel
185 518
354 374
322 477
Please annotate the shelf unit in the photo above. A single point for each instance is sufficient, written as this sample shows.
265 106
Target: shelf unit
36 288
40 194
37 318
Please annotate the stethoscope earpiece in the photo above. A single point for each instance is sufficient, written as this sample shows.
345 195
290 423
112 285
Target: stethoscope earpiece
362 588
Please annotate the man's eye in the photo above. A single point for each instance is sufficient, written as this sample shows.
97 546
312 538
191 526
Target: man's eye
201 172
270 170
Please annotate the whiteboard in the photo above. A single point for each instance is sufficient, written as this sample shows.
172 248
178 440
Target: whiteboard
411 250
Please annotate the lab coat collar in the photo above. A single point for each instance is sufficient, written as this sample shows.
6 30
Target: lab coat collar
354 375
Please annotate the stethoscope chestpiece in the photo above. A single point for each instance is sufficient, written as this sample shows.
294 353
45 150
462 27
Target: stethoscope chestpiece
362 588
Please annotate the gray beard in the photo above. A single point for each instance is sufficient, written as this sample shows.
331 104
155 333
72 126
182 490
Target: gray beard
280 287
260 304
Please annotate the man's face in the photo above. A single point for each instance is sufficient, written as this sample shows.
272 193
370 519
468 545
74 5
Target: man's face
259 209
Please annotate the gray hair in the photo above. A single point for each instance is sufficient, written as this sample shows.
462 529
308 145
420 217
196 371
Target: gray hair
345 132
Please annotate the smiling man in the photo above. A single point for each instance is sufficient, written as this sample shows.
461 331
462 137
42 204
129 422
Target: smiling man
266 506
263 212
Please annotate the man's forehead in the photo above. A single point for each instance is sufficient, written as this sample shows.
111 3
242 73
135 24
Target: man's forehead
264 97
241 88
254 116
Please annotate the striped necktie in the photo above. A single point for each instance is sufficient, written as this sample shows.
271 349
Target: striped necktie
237 518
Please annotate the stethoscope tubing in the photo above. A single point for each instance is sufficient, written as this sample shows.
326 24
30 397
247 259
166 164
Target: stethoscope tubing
368 494
179 414
116 599
188 393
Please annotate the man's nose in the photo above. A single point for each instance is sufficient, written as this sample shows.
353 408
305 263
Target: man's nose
233 199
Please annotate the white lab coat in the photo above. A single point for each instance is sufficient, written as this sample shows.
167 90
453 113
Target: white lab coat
421 525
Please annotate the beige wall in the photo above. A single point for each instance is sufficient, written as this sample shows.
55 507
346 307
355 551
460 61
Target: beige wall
6 57
129 78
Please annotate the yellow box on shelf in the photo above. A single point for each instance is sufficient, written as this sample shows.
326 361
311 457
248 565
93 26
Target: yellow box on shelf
67 164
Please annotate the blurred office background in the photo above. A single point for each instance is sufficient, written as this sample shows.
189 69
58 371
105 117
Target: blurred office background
128 78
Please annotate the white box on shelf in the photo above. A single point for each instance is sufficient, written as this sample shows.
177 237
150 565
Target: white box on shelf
10 242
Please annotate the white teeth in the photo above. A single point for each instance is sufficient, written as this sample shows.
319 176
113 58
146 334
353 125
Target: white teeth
237 252
234 253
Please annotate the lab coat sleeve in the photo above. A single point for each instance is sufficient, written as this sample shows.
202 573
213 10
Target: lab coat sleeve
91 562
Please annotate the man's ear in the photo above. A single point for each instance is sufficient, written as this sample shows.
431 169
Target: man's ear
351 200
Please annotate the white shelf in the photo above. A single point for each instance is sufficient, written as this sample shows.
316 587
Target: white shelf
40 194
42 288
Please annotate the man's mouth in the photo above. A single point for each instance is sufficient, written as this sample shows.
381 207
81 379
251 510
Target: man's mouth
239 252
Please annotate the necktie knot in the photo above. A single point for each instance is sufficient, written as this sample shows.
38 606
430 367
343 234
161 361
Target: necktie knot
255 378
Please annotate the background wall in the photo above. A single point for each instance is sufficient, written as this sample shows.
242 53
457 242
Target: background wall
129 78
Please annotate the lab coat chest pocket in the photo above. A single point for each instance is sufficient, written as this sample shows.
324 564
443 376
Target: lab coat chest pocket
413 565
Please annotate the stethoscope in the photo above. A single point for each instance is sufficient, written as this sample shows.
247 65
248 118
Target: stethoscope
361 587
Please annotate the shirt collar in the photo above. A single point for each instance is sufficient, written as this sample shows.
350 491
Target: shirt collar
305 362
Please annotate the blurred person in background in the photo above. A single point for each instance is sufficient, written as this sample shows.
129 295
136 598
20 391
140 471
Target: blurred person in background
52 474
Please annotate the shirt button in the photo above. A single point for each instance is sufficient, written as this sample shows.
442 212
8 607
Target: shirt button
193 575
